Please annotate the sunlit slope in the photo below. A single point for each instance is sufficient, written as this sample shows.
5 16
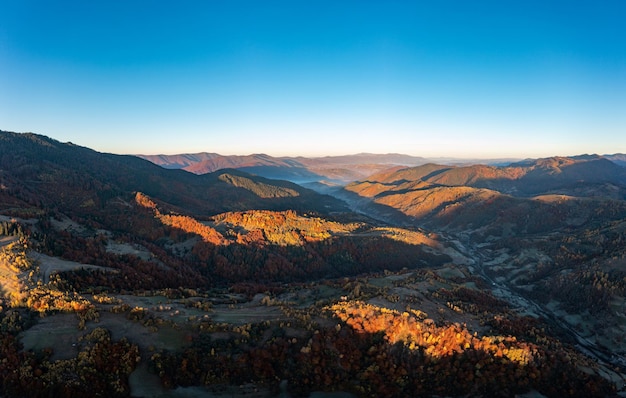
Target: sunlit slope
532 196
527 178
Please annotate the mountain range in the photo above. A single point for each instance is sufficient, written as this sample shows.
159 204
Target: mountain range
333 169
408 276
330 169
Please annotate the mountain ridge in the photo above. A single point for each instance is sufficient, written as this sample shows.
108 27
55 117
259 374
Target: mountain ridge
526 177
40 165
339 169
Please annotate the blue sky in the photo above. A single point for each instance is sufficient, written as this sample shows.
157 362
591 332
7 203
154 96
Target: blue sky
428 78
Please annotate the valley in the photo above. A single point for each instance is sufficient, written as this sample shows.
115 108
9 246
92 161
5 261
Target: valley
412 280
580 330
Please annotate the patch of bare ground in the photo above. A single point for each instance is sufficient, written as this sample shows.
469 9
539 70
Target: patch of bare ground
450 272
49 265
241 315
57 331
66 224
311 295
457 257
126 248
161 337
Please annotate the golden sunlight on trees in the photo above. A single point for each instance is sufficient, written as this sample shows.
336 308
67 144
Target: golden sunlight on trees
284 228
184 223
191 225
22 281
377 352
422 334
14 255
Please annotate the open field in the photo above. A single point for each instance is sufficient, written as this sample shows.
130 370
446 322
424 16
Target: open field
58 332
48 265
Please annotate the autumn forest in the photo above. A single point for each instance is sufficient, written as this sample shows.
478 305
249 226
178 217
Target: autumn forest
122 278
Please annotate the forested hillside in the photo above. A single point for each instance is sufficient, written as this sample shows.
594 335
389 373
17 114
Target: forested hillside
122 278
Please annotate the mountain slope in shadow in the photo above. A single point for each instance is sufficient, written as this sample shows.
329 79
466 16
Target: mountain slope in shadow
39 170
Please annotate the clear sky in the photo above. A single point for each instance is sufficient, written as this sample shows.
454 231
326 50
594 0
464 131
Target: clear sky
430 78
